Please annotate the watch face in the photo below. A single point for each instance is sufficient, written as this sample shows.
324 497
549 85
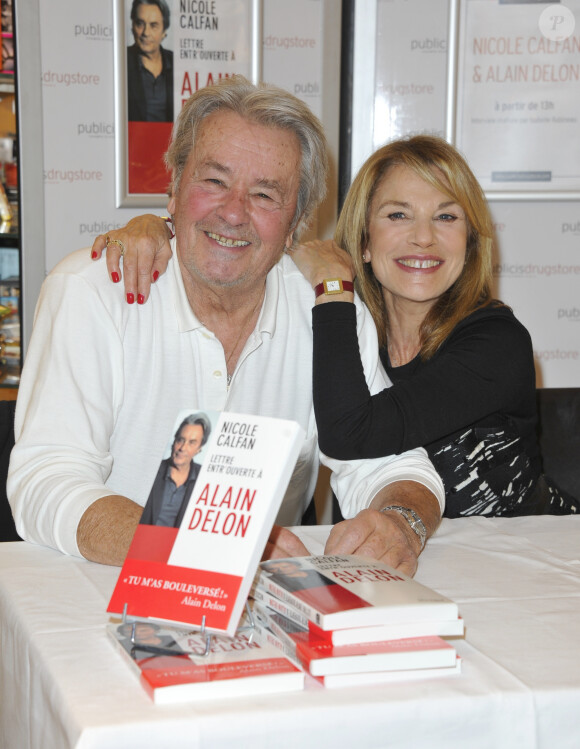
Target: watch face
333 285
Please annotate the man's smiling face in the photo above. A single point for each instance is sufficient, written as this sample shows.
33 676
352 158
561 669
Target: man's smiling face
235 202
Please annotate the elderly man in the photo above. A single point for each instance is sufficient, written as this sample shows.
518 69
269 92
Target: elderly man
228 327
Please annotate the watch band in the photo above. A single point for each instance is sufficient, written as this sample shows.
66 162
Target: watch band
333 286
415 522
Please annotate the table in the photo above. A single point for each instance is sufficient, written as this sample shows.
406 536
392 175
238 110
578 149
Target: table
517 583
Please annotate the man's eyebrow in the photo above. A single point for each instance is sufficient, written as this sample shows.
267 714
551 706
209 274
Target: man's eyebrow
269 184
264 182
211 164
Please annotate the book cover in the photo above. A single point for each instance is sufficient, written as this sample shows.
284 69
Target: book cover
320 657
344 591
393 631
239 666
195 565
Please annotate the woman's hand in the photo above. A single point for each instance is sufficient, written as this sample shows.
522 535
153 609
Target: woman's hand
147 252
322 259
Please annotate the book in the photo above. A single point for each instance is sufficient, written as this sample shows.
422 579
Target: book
333 681
235 667
269 601
346 591
199 573
321 658
396 630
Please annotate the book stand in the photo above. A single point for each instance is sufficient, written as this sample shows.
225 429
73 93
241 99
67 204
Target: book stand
153 649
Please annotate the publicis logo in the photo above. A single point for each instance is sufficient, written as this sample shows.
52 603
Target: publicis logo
96 129
572 314
67 79
58 176
96 31
273 42
429 45
306 89
98 227
535 270
570 228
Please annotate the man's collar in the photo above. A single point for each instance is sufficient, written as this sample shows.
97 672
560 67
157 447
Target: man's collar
186 318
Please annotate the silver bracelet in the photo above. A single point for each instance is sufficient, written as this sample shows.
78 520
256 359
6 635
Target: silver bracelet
415 522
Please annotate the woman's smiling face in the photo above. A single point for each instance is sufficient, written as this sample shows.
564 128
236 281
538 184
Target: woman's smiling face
417 239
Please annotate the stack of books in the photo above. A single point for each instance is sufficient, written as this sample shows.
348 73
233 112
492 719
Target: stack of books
348 620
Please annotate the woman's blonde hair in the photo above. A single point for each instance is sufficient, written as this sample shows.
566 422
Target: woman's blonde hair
440 165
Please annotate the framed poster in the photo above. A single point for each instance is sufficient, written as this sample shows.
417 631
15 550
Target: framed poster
514 95
165 50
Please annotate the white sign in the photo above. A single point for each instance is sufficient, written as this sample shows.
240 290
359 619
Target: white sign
518 97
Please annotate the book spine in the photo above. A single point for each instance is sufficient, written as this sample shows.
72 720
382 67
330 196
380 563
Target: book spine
281 607
289 644
266 635
287 597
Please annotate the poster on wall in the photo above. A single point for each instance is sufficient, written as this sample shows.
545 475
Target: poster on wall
517 113
411 63
165 50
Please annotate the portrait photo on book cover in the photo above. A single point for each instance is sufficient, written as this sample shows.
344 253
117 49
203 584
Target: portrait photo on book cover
146 636
166 50
150 63
179 469
292 575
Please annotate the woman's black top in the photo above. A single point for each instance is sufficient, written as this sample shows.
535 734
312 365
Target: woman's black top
472 406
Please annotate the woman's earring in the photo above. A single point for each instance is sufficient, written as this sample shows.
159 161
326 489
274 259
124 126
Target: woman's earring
366 256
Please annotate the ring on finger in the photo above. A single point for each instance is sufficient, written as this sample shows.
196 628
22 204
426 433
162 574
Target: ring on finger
117 242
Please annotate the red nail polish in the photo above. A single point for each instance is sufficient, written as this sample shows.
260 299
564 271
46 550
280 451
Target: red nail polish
115 277
130 298
155 276
93 254
140 299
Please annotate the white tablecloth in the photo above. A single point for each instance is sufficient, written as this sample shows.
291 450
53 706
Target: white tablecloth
517 583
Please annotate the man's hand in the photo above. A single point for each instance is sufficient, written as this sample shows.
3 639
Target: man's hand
147 252
387 536
378 536
106 529
283 543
